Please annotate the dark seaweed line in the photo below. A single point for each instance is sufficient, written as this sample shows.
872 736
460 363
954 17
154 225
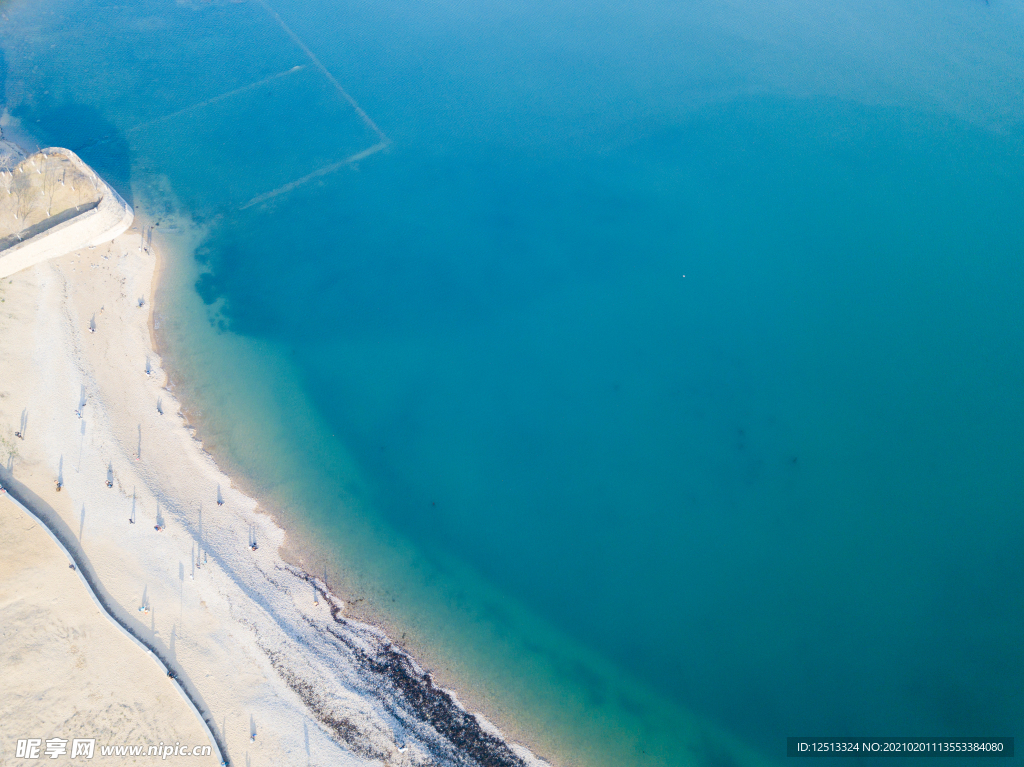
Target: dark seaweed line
466 742
469 743
41 514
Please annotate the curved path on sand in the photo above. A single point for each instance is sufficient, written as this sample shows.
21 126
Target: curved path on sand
19 497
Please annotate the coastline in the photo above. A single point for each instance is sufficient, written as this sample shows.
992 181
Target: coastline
474 698
370 700
214 419
493 315
375 693
299 550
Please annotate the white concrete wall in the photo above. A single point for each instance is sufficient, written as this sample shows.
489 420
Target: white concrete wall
93 227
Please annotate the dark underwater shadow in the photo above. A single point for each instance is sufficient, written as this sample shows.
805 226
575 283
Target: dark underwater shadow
85 131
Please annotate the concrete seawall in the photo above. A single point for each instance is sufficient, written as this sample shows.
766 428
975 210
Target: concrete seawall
99 224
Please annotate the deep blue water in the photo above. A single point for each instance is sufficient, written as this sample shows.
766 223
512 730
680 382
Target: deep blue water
719 384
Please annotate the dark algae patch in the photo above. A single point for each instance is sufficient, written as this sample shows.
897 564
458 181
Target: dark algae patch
408 693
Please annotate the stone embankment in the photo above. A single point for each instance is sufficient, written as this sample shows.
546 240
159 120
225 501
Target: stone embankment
52 203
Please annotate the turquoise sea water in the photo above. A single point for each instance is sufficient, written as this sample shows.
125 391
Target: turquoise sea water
661 380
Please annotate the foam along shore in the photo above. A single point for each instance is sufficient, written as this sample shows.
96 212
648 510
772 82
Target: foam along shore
52 203
93 441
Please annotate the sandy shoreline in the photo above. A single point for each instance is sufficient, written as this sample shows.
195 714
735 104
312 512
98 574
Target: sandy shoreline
260 645
280 667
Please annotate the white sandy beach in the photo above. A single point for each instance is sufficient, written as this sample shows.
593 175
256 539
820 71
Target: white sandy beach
263 650
68 672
